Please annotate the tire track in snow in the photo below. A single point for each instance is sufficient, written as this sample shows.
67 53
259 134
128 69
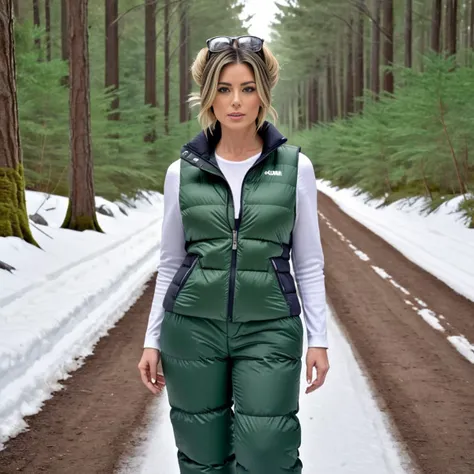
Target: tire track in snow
436 321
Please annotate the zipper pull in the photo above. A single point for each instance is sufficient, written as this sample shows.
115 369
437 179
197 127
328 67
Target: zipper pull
234 240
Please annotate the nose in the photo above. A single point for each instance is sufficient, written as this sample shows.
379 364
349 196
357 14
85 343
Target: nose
236 100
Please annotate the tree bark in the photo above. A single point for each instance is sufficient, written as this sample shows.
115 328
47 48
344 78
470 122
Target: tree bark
329 90
64 34
388 83
183 62
112 54
451 26
341 60
37 23
167 65
422 44
375 59
13 213
150 61
47 19
16 8
189 61
359 57
409 33
81 213
436 26
315 99
350 72
471 26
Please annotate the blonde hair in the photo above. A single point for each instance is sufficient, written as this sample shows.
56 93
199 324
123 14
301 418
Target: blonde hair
206 74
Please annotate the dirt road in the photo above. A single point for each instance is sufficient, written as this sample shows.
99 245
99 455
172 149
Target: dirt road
427 386
423 383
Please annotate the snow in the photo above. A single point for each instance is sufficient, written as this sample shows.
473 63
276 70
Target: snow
64 297
440 242
343 430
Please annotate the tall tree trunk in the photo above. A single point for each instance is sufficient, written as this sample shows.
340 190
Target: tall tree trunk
81 208
189 81
451 26
436 26
13 214
367 54
47 22
16 8
375 59
341 69
422 44
335 104
150 61
315 99
388 82
183 61
167 66
112 54
310 102
471 26
37 23
64 34
350 72
329 90
359 57
409 33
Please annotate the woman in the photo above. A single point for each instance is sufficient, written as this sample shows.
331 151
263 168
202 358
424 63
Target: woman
225 319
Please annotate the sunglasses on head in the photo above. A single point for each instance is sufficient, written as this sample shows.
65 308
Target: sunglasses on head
221 43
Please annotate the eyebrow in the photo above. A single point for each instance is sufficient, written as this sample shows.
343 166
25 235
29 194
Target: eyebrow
230 85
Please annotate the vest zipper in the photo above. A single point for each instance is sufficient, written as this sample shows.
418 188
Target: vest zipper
233 267
233 271
235 231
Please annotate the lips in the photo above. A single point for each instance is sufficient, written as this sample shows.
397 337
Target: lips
236 115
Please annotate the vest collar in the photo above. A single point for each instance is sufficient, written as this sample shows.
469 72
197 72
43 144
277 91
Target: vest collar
204 146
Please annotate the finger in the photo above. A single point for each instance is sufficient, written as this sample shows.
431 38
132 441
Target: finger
153 371
145 376
309 371
318 382
153 388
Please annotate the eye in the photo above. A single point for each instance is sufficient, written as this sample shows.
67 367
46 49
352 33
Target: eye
223 89
249 89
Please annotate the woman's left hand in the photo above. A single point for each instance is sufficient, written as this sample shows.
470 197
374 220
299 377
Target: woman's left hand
316 358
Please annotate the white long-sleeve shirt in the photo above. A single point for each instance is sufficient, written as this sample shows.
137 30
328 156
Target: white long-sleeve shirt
306 256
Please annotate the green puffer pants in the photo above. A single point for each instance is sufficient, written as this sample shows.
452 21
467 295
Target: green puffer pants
255 366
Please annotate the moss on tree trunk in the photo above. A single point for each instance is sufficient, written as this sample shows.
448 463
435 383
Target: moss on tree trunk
80 223
13 214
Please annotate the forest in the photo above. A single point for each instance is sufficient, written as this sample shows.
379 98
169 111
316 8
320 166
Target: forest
378 93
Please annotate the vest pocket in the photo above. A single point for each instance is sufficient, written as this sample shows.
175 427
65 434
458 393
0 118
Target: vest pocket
179 280
287 284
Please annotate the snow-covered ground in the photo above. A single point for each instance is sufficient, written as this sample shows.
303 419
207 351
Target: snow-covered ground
64 297
343 431
440 243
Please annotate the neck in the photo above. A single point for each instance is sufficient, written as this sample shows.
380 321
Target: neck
238 145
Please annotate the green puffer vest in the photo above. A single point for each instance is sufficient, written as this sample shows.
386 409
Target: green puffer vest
237 268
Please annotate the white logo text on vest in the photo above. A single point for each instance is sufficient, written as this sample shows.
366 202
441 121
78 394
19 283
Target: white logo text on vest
273 173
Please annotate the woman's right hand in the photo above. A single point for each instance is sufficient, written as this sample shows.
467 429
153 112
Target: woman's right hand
148 367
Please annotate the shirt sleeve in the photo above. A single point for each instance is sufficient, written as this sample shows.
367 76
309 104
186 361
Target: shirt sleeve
172 253
307 255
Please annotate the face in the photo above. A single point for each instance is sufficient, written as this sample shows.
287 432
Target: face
237 103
